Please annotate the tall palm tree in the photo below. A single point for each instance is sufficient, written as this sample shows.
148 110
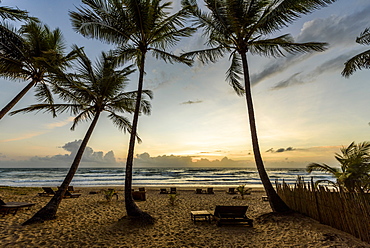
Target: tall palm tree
89 92
239 27
32 53
136 27
354 172
361 60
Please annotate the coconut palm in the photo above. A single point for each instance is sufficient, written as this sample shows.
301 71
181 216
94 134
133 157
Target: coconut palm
354 172
136 27
14 14
89 92
239 27
361 60
32 53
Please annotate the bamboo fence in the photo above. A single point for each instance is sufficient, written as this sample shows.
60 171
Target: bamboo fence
349 212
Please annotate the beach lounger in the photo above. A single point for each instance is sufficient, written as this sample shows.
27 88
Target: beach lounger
231 191
71 195
198 191
232 215
163 191
173 191
47 192
142 189
72 190
12 207
210 191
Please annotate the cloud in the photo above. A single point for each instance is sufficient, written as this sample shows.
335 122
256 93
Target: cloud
59 123
90 158
145 160
333 65
336 30
280 150
192 102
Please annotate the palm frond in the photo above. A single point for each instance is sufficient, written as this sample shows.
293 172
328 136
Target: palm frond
278 14
169 57
207 55
233 74
364 37
358 62
273 47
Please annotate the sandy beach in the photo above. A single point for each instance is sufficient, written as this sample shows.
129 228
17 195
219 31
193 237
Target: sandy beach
91 221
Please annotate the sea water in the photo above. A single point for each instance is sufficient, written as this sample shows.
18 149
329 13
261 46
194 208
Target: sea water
160 177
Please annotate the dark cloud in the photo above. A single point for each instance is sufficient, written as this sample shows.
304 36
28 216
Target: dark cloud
192 102
145 160
281 150
90 158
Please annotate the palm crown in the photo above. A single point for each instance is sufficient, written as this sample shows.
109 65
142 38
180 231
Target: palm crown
241 26
136 26
94 89
354 171
32 53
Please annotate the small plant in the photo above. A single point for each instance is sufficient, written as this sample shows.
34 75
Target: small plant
172 198
243 191
108 194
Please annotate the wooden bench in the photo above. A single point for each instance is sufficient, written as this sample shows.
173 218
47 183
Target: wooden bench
232 215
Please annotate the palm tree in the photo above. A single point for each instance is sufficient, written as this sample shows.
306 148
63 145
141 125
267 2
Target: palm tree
88 93
32 53
239 27
354 172
136 27
14 14
361 60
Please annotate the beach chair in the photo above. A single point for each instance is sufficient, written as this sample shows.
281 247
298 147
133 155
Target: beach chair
12 207
163 191
210 191
232 215
198 191
173 191
139 195
231 191
142 189
72 190
68 194
47 192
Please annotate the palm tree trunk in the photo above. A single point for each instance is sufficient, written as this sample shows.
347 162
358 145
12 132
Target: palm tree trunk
48 212
276 203
131 208
16 99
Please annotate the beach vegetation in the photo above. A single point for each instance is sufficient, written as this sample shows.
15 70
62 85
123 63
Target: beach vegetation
108 194
172 198
243 190
89 91
241 27
137 28
353 173
32 53
359 61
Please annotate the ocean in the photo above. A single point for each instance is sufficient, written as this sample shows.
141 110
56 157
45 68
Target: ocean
155 177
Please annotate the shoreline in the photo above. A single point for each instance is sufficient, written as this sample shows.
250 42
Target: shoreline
90 220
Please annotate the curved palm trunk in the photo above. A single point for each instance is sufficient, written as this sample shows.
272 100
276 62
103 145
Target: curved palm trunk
16 99
276 203
131 208
48 212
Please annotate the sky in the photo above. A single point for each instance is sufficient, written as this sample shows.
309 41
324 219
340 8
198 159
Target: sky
305 110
